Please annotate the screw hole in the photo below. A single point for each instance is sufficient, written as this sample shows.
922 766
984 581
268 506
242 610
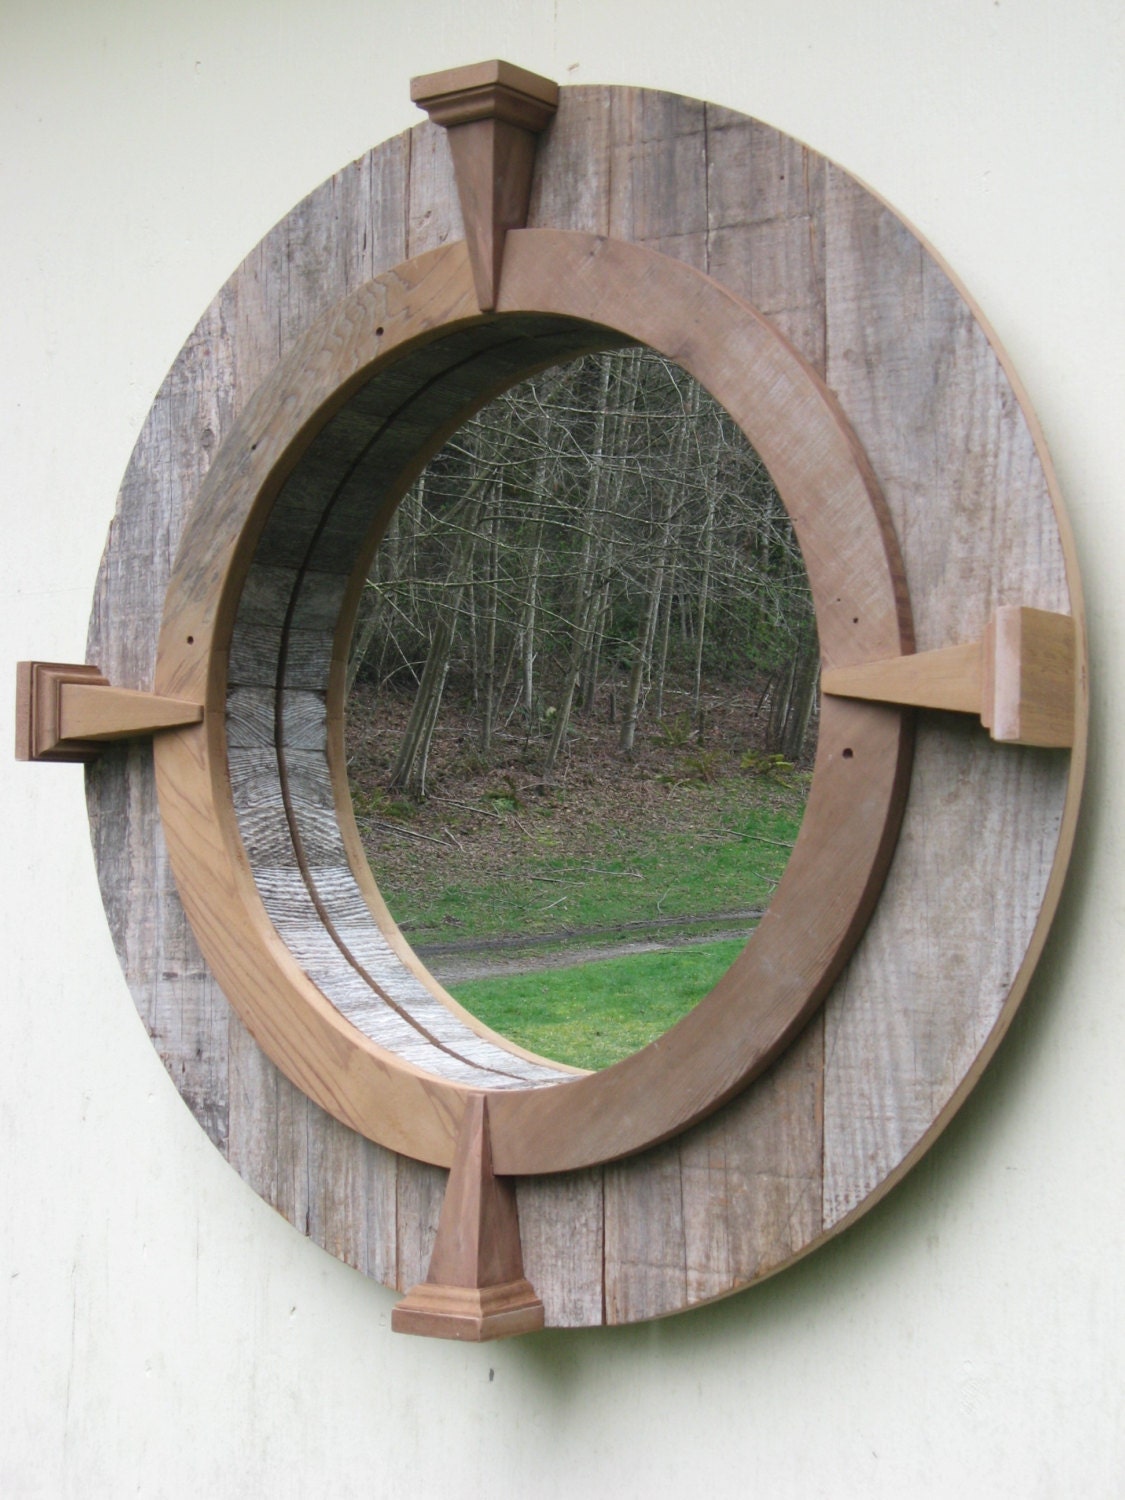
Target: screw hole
191 640
855 619
378 333
848 753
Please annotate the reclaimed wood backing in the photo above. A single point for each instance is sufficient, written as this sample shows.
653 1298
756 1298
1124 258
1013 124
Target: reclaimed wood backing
933 982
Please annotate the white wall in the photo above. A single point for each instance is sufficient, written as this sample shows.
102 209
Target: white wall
165 1334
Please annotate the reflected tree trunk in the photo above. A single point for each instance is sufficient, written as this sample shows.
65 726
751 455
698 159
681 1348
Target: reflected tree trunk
409 771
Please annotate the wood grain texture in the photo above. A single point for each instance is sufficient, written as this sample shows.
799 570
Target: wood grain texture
475 1288
335 1007
973 513
766 225
108 713
493 113
1029 685
860 1093
40 730
749 1179
1019 680
178 998
658 174
486 90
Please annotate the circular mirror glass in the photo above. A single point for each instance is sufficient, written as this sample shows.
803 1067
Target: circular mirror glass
583 705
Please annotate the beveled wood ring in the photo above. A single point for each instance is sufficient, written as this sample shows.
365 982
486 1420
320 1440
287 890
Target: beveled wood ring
256 622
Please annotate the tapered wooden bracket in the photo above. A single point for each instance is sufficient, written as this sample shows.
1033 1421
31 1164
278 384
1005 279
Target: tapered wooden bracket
493 111
475 1288
66 713
1019 678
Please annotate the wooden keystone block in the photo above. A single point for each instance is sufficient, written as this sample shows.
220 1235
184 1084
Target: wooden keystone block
475 1288
1019 678
493 112
66 712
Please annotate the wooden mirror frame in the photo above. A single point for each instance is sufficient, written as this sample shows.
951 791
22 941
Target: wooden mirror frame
281 463
867 1084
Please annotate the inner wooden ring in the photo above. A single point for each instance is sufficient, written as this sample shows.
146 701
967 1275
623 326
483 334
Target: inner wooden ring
256 624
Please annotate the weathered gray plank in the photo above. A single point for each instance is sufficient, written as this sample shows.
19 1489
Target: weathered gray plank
328 1181
953 920
434 213
724 1204
748 1182
765 211
420 1189
645 1236
658 179
285 892
954 456
570 184
269 590
252 718
253 1081
255 649
562 1231
751 1175
182 1007
352 1198
938 419
384 233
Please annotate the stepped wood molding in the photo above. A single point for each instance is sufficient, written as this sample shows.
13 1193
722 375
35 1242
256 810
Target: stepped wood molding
1019 679
520 226
68 712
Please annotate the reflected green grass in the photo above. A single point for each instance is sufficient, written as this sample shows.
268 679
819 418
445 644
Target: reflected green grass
591 1015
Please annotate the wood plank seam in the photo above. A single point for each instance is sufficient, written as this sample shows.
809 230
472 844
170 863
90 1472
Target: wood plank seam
492 113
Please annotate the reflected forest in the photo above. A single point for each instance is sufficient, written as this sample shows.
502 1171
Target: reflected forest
582 704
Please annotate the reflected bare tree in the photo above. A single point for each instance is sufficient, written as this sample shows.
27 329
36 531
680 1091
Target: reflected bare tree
599 540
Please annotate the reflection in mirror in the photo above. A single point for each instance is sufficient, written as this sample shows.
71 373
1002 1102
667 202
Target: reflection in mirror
582 705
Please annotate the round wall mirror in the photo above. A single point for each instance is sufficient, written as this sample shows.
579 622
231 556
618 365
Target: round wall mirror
255 542
582 705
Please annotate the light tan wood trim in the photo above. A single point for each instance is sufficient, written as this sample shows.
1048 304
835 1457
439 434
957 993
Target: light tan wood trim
949 678
109 713
65 712
475 1288
1020 678
1033 656
493 113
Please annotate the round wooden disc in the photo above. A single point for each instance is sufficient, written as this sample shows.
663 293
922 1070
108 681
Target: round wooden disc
933 981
